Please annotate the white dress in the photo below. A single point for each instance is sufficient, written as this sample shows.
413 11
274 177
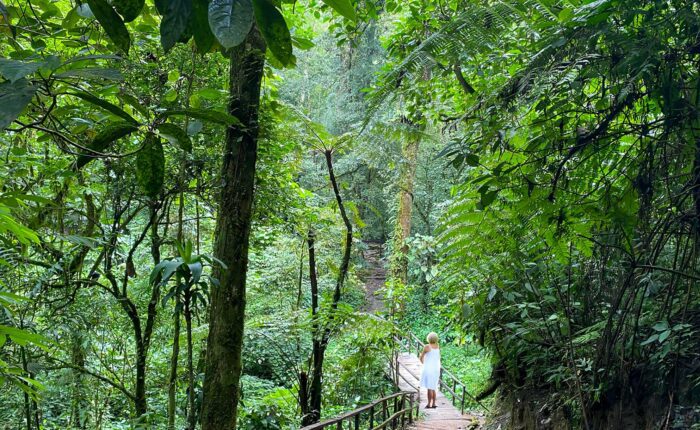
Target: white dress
430 375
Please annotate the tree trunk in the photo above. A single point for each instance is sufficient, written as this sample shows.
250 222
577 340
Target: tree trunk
191 410
311 403
172 379
226 320
27 403
78 401
140 401
402 231
322 337
143 339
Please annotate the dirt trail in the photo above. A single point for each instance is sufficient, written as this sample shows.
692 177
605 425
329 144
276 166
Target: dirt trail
375 276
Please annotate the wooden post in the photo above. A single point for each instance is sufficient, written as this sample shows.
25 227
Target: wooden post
464 390
371 418
384 411
396 370
454 390
340 425
396 409
418 404
403 415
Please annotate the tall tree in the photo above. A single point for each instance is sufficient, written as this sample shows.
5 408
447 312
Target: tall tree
402 230
226 321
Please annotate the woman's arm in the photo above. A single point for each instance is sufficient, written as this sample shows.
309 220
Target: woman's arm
422 354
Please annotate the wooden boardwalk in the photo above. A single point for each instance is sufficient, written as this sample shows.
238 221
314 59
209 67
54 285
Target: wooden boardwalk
445 416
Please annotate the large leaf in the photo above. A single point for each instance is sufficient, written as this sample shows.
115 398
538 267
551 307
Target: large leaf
116 110
92 73
164 271
91 58
274 29
176 16
175 135
150 166
24 337
135 103
13 70
343 7
14 97
128 9
231 21
112 23
104 138
203 37
205 115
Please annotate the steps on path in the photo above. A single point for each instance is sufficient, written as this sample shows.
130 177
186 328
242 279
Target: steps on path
445 416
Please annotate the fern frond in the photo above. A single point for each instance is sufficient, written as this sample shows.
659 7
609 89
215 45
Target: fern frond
476 29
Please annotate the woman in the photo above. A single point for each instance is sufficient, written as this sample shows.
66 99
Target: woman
430 375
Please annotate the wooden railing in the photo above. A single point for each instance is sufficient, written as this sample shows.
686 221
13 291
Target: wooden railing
448 382
396 411
389 413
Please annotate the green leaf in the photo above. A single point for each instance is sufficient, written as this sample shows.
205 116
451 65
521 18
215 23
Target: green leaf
210 94
566 14
14 97
23 337
661 326
472 160
150 166
93 73
203 37
487 198
164 271
230 21
15 70
302 43
343 7
116 110
175 135
104 138
196 271
205 115
134 103
91 58
664 335
128 9
176 16
274 29
112 23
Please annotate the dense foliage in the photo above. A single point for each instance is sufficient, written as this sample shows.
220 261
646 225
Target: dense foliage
193 194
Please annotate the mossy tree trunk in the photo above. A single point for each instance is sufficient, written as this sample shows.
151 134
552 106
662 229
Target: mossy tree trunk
402 229
226 321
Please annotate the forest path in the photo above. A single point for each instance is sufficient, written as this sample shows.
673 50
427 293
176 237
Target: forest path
375 276
446 416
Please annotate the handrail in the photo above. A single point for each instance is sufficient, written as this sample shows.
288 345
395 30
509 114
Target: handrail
411 338
400 413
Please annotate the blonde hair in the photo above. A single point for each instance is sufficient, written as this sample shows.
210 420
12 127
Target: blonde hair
432 338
